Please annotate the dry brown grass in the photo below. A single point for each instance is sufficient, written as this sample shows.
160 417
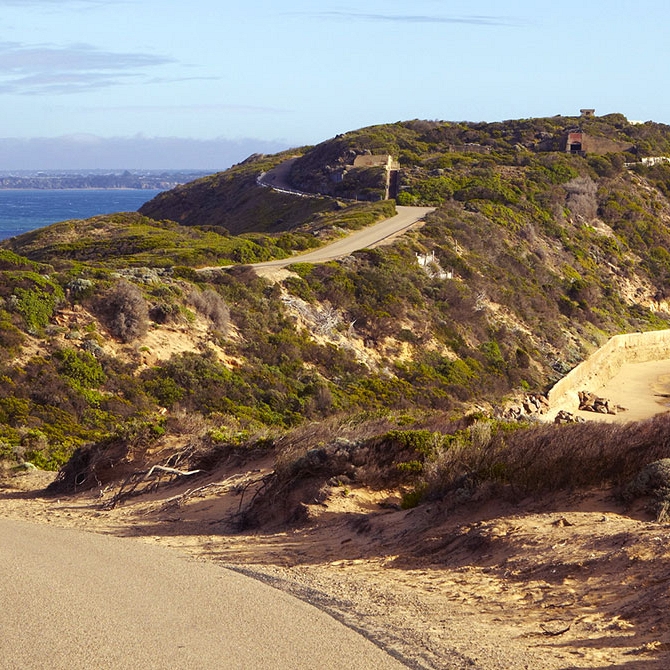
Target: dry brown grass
212 305
485 459
547 458
125 311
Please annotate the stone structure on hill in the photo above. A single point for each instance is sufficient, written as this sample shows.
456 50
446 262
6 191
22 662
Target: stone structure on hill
388 163
579 142
649 161
469 148
430 263
376 160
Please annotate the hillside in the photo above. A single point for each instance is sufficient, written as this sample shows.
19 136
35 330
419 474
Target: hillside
532 259
233 201
341 422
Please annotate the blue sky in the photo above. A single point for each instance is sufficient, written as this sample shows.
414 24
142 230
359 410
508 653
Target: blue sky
170 84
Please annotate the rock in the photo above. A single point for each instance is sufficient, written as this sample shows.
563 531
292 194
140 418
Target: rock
589 402
562 522
26 466
532 405
567 417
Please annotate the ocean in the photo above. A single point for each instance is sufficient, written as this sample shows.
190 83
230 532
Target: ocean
22 210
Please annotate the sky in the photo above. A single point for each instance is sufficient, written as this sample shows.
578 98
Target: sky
160 84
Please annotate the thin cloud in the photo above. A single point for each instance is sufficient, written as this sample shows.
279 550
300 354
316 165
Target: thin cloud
474 19
48 69
60 84
222 108
172 80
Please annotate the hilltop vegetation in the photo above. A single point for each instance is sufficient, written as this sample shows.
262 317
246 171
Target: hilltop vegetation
233 202
112 334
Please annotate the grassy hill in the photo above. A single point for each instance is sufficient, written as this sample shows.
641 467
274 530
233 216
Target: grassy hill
110 336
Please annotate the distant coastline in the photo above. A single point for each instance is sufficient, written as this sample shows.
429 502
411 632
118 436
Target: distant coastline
25 209
125 179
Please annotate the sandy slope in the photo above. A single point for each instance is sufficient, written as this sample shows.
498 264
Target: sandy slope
569 582
643 389
573 581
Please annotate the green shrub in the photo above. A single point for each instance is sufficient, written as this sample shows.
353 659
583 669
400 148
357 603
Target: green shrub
35 298
81 367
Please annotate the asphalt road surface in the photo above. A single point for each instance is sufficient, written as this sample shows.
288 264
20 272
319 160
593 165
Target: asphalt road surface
362 239
71 600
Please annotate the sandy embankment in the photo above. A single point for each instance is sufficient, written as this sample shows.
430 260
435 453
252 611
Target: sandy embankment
632 371
571 580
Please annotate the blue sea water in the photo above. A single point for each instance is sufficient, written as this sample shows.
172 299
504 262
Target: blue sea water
22 210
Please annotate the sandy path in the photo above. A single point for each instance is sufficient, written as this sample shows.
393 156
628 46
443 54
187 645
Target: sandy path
367 238
75 600
641 388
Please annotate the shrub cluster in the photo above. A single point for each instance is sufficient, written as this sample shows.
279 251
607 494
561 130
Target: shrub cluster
125 311
212 305
520 460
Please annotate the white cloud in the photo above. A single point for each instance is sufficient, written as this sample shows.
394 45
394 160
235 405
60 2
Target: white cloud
47 69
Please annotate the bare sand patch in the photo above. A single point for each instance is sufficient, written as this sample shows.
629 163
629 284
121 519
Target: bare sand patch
643 389
570 581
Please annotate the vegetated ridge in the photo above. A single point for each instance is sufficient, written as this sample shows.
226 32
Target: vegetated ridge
359 403
534 256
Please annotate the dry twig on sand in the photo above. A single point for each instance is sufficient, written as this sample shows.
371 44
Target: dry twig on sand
131 483
237 483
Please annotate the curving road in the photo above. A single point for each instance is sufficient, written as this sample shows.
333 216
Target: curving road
366 238
71 600
369 237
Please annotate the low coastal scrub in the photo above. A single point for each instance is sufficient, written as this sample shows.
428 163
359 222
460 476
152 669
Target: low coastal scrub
466 464
491 459
532 258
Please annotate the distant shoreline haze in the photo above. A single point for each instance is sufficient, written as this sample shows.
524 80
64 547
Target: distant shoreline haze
100 179
82 153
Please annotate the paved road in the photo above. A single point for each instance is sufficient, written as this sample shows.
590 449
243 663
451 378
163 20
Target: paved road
277 179
361 239
71 600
